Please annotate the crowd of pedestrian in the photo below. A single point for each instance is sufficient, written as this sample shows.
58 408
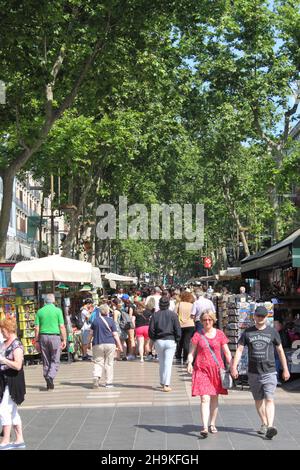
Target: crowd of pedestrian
147 325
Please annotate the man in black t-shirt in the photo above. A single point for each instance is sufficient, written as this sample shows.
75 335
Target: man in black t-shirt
260 340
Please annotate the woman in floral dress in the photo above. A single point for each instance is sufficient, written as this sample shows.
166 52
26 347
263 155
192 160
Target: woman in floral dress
206 380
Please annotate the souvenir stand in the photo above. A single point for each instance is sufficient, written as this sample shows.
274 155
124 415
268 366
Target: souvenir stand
51 269
20 302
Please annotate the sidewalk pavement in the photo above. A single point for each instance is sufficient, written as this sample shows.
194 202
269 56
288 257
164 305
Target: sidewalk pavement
136 414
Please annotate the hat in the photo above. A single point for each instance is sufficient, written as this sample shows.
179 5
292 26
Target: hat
164 303
125 297
261 311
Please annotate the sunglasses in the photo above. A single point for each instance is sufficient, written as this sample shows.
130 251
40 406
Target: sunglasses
260 316
207 319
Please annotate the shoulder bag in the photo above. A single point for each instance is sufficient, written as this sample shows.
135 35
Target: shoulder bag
226 378
105 322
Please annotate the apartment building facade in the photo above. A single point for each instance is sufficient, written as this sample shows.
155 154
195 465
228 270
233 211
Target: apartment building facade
29 232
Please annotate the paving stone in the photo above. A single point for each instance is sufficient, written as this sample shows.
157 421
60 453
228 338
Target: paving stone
136 415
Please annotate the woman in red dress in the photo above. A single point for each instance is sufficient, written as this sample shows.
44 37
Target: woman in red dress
206 380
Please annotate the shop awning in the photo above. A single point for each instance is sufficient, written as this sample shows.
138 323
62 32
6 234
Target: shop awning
224 275
52 268
119 278
15 250
213 277
230 274
283 253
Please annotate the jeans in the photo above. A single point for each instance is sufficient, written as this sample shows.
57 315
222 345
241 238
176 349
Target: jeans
184 342
165 349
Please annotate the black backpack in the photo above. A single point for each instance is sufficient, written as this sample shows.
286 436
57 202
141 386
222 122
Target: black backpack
77 319
125 321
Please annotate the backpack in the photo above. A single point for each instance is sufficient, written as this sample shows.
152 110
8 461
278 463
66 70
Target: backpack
125 321
77 319
95 313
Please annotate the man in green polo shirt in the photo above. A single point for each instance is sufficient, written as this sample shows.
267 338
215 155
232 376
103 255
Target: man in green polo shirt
50 338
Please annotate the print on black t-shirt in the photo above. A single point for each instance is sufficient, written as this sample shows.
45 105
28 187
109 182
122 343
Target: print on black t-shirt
260 349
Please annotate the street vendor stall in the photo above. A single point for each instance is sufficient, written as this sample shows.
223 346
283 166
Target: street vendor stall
274 275
51 269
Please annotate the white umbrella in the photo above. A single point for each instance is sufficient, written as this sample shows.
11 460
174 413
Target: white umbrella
119 278
52 268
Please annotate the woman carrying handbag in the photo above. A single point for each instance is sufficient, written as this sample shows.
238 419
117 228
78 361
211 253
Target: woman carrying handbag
206 380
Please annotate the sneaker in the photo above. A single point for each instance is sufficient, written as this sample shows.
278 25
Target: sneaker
130 358
262 430
19 445
148 358
271 432
85 358
50 384
167 388
6 446
109 386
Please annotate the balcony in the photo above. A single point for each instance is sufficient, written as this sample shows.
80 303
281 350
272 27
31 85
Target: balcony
21 236
21 205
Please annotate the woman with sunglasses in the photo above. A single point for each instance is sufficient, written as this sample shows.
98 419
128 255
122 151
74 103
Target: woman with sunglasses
206 380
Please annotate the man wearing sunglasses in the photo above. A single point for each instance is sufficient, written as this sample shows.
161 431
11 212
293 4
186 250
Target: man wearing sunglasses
261 340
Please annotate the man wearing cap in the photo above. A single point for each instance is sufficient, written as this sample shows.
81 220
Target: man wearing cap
261 339
86 311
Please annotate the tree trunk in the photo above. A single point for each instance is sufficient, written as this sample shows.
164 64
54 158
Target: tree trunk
8 185
275 205
236 218
224 257
41 227
71 237
74 220
245 243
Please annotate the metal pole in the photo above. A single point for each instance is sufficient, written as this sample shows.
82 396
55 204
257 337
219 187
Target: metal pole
52 214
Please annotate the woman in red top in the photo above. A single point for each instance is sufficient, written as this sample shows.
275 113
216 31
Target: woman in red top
206 380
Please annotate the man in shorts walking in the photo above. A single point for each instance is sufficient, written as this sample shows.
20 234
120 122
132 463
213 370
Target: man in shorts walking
261 339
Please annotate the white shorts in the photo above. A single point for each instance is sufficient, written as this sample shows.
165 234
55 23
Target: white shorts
9 411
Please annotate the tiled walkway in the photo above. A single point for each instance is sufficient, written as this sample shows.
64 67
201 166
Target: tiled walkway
137 415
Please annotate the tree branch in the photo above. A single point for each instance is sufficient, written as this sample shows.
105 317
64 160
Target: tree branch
289 113
51 116
19 133
273 146
50 86
99 45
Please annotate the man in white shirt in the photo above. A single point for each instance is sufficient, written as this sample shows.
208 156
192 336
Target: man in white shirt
200 306
156 296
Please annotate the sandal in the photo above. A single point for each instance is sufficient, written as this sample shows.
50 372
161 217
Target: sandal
204 433
213 429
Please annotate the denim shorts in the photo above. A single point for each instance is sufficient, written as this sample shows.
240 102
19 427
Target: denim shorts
263 385
85 334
